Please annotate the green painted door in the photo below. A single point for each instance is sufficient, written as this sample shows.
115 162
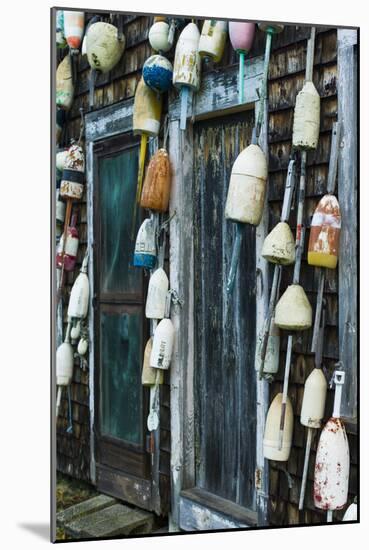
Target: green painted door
120 326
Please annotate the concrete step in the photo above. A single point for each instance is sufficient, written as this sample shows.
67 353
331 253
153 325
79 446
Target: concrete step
89 506
110 521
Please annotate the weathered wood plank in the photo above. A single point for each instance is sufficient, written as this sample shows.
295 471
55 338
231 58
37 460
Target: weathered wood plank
109 121
132 489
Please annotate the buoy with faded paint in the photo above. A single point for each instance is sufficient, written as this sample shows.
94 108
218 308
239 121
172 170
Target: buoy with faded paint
351 513
146 111
69 256
271 434
313 402
157 73
64 364
325 233
149 374
187 67
145 249
156 187
159 37
74 24
60 36
162 347
332 463
72 183
79 296
64 84
271 362
306 119
103 47
82 346
293 310
241 34
212 39
60 159
157 294
247 186
279 245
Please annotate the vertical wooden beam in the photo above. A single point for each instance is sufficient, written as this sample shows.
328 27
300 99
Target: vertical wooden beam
181 280
347 195
262 387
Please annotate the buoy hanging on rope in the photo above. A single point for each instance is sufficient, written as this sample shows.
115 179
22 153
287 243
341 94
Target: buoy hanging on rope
66 254
64 366
332 463
156 188
103 47
160 36
293 311
187 67
325 233
64 84
271 433
60 36
351 513
145 249
241 34
74 24
157 73
279 245
245 198
212 39
148 377
156 295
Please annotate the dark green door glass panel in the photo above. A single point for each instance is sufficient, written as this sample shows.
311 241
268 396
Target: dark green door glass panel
120 375
117 183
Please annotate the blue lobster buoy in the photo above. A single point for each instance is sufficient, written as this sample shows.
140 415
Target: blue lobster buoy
157 73
145 249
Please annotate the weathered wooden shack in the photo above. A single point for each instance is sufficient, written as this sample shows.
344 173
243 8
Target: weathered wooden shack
204 466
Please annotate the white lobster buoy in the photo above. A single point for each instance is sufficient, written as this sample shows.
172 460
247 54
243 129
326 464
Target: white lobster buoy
145 249
82 346
293 310
103 47
313 402
351 513
159 37
74 24
148 377
79 296
156 295
306 120
271 434
64 364
64 84
212 39
71 186
271 362
61 157
246 192
279 245
162 346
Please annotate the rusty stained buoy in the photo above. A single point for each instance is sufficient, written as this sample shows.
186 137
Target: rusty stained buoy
72 183
212 39
103 48
293 310
325 233
306 119
156 187
64 84
247 186
279 245
148 377
271 434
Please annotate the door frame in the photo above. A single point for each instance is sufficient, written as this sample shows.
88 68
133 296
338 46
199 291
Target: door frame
191 507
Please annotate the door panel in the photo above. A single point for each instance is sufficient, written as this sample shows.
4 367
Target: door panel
225 381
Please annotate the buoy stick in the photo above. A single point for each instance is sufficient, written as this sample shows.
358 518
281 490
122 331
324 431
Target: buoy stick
241 77
285 389
58 400
235 257
272 301
318 310
141 166
329 516
264 82
68 212
306 465
184 100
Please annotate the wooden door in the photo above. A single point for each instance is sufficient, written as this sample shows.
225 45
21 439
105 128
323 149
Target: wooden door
121 330
225 379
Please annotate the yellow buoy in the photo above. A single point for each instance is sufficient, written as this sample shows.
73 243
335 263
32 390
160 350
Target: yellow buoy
149 373
293 311
271 434
213 38
306 120
146 111
279 245
64 84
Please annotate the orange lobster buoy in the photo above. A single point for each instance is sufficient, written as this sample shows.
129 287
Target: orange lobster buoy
156 187
325 233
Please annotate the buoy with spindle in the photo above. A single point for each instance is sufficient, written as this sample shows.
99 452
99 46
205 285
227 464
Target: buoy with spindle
74 24
161 35
278 248
245 198
79 297
187 67
241 34
64 366
156 187
212 39
332 463
271 448
313 404
145 248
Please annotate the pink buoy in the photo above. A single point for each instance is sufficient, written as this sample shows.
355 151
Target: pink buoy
241 35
